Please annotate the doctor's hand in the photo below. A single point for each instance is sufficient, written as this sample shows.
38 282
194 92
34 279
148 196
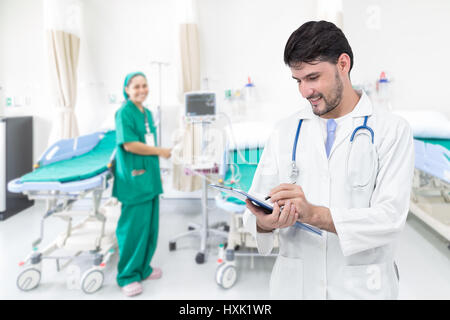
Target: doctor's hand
275 220
287 192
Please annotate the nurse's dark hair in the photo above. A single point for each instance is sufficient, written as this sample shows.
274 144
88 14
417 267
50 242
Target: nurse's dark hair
316 41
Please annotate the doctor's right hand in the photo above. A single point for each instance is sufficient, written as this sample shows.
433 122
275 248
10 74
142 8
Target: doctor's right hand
277 219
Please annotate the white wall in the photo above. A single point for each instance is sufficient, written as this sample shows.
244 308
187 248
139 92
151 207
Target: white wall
23 65
237 39
411 45
119 37
247 38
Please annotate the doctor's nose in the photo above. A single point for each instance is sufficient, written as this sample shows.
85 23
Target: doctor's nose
306 91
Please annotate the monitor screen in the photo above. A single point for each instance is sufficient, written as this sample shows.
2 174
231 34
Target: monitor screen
200 104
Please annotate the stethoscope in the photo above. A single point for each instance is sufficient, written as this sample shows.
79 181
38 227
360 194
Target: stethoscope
294 170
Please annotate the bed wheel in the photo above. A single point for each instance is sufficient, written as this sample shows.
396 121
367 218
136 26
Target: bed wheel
92 281
200 258
28 279
226 275
172 246
229 254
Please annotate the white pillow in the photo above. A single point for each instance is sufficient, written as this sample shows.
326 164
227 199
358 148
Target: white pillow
248 134
427 123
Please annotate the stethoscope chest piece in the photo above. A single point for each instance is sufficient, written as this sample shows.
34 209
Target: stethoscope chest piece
294 172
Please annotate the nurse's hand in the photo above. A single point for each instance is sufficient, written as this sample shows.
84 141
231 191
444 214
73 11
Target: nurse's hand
277 219
165 153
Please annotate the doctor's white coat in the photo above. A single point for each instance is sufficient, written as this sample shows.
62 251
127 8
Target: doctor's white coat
358 261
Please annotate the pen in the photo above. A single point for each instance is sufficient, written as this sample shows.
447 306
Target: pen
268 197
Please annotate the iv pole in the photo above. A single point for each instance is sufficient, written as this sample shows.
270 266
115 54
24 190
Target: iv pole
158 108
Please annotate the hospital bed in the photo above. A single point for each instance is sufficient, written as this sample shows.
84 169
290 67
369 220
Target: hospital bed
68 171
241 161
430 196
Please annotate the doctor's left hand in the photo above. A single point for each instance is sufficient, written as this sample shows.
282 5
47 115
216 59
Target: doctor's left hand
276 220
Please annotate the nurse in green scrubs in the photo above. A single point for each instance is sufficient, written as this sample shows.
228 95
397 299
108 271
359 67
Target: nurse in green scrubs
137 185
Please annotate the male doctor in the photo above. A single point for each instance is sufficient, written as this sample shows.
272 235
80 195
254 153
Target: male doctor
343 166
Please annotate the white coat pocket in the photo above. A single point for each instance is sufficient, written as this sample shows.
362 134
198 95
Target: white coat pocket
374 281
286 281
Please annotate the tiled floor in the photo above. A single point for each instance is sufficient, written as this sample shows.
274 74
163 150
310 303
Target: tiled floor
423 260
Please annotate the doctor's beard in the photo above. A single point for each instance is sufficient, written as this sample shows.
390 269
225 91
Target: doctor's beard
332 100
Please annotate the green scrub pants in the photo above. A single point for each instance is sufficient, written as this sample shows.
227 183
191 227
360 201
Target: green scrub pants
137 234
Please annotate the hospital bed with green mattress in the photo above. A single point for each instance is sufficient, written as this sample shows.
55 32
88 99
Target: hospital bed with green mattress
240 169
430 196
68 171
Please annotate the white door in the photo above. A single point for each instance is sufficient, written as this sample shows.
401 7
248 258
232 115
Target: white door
2 165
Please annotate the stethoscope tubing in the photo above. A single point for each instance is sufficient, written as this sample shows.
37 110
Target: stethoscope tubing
297 134
364 126
294 149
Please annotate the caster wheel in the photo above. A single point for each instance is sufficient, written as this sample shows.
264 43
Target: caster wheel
226 275
236 247
200 258
229 254
190 228
98 259
28 279
172 246
92 281
226 228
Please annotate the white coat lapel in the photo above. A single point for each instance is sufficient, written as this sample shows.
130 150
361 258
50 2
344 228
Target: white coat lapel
311 131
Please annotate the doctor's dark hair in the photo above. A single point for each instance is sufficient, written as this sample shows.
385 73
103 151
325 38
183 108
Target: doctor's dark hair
316 41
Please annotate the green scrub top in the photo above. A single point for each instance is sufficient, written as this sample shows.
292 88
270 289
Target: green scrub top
137 178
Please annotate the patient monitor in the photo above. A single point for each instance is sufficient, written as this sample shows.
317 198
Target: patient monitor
200 106
203 142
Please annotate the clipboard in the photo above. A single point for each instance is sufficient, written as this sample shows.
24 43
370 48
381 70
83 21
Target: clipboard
267 208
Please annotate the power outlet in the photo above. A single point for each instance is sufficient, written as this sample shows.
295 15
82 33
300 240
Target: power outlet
112 98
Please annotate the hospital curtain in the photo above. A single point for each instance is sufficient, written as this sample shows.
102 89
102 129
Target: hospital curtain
63 50
190 76
185 155
190 57
63 45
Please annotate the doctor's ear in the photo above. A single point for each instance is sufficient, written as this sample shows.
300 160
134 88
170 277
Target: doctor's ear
344 63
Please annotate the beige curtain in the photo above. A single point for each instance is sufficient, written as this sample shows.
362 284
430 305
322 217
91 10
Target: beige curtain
187 142
187 149
63 49
190 57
